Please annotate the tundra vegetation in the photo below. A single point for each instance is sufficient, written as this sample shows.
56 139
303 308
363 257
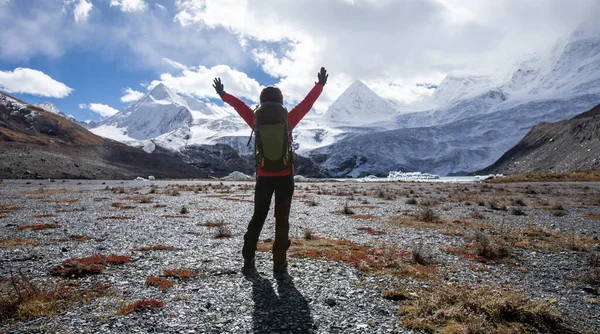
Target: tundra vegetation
443 253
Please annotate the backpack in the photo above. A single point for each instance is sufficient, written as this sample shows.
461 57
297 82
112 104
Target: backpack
272 146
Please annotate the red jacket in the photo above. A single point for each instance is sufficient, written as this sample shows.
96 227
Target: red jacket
294 116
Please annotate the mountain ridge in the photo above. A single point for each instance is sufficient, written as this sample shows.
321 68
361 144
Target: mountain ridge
562 146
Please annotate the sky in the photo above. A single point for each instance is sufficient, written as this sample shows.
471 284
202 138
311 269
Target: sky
92 58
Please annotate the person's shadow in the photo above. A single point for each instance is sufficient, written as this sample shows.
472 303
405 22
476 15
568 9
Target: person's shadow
284 312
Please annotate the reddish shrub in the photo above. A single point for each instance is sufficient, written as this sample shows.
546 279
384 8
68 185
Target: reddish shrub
78 267
161 283
140 305
37 227
182 273
151 248
371 231
46 215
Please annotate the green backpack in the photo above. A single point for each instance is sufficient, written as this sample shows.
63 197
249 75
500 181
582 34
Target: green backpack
272 147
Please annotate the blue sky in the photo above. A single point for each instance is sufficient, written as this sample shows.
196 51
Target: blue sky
88 52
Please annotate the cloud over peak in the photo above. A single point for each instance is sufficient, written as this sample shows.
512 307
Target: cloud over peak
34 82
99 108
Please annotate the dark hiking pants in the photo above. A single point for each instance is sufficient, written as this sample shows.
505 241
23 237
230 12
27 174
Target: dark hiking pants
283 187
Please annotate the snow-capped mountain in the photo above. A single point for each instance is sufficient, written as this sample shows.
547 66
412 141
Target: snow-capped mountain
476 120
165 119
358 106
49 106
480 118
159 112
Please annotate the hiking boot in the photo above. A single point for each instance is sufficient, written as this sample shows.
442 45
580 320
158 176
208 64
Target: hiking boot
249 266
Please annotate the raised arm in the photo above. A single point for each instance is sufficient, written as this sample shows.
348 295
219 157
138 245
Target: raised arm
240 107
299 111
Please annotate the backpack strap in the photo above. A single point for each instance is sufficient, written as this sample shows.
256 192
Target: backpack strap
252 133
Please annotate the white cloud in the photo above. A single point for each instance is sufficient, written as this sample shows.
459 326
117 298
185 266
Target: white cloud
175 64
99 108
34 82
129 6
198 82
82 10
388 44
131 95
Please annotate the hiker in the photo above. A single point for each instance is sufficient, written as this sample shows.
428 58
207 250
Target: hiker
273 127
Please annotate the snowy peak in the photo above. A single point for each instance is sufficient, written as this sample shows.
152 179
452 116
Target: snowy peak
360 105
456 87
162 93
49 106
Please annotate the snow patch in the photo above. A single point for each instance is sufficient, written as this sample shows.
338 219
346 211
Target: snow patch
236 175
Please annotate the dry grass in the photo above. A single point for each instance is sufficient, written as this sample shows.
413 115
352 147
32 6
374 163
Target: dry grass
396 294
153 248
6 208
80 238
43 191
218 223
45 215
363 206
237 199
427 215
72 210
386 260
37 227
491 247
122 206
222 232
371 231
22 299
181 274
481 309
465 252
483 248
137 198
588 175
16 242
140 305
593 275
365 217
58 201
347 210
78 267
532 235
450 225
161 283
593 216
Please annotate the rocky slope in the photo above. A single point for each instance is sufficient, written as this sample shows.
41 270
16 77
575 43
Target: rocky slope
41 144
555 147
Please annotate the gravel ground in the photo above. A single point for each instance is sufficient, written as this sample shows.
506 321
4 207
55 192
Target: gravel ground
317 296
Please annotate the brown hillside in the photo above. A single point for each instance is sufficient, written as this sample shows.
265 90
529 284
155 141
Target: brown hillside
563 146
39 144
25 123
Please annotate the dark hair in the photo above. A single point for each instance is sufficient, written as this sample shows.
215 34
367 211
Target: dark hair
271 94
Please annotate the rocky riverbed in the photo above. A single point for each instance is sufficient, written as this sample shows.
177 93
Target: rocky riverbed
364 255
